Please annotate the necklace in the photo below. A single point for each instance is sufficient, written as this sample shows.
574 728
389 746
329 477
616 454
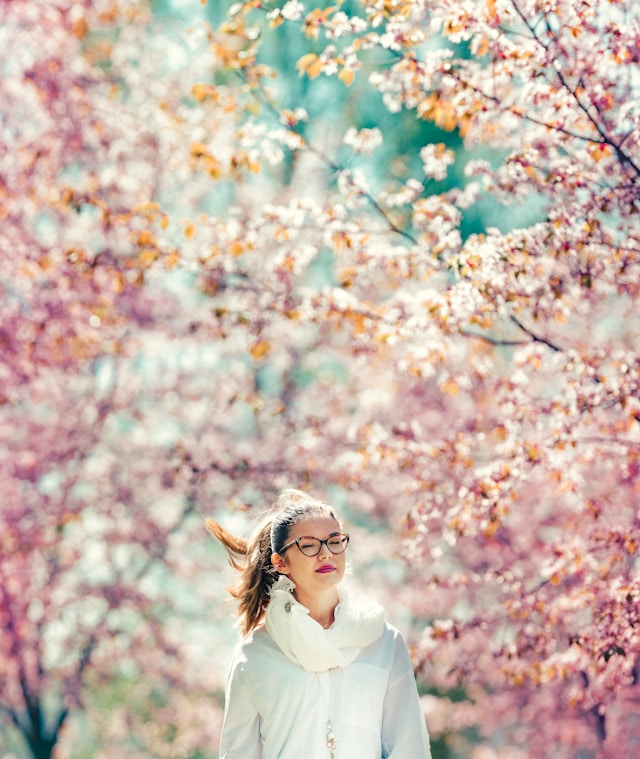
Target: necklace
324 681
331 740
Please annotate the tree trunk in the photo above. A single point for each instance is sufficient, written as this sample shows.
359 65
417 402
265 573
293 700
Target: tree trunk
40 737
41 747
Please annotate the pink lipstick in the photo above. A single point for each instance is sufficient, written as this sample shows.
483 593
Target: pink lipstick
326 568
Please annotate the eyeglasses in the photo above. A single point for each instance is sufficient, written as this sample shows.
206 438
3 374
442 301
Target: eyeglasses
311 546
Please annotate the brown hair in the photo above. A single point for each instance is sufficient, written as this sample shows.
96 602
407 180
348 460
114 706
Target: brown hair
252 557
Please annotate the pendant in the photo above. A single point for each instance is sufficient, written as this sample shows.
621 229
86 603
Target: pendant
331 740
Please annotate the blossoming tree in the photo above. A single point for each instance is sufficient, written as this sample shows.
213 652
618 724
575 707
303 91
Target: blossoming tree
481 385
284 222
92 532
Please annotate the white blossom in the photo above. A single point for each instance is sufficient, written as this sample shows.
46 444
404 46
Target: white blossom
436 159
292 10
364 141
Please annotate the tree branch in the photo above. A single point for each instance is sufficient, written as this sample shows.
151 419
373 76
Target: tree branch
500 341
13 716
533 336
605 139
493 340
330 163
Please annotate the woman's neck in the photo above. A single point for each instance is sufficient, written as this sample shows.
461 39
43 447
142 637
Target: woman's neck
321 608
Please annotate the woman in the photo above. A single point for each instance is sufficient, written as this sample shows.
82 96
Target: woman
317 675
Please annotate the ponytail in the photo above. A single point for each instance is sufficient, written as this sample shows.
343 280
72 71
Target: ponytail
252 557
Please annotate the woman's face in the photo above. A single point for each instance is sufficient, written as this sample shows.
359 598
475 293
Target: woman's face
312 574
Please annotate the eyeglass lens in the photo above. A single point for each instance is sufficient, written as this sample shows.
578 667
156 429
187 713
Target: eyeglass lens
312 546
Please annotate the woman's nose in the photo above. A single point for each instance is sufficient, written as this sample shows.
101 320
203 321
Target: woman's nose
324 551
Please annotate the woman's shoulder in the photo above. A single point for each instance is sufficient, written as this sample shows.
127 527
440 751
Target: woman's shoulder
397 640
389 632
254 643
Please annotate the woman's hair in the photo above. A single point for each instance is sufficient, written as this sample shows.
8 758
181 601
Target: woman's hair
252 557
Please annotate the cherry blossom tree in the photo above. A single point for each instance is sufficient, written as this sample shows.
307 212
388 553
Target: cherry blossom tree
95 517
479 388
383 250
90 567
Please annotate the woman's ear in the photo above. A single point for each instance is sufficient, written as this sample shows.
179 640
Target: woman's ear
279 564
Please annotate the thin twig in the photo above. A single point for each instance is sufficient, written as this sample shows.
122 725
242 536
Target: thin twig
533 336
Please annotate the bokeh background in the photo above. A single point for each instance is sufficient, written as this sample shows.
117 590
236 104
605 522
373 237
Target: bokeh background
383 252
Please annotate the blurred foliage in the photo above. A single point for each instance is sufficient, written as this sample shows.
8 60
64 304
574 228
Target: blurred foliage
333 106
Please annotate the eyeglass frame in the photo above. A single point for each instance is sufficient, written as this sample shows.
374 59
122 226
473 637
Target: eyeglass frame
341 535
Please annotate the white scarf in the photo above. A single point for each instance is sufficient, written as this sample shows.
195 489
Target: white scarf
307 643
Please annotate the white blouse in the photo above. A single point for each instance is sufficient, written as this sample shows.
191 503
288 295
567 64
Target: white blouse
277 710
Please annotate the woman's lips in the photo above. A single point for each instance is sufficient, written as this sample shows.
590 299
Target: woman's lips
326 568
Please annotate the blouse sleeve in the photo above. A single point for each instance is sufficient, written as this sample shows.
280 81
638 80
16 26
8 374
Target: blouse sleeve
404 730
240 736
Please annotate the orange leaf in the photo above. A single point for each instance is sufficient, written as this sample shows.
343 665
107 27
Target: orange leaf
444 116
172 260
340 240
500 432
532 451
303 63
80 28
347 275
450 387
148 256
214 169
609 101
260 349
45 263
203 91
236 248
149 209
600 151
199 149
483 47
490 529
314 69
144 237
358 321
118 283
347 76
